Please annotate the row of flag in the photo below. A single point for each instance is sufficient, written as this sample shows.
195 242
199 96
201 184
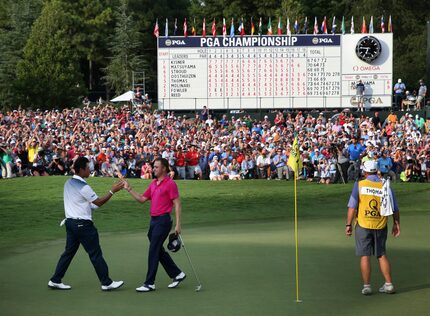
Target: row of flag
296 28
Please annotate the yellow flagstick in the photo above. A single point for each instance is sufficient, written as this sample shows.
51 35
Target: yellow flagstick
295 162
296 237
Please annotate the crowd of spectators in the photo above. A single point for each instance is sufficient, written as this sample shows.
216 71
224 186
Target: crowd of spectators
119 141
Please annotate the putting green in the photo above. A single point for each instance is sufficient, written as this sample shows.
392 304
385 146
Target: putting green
245 268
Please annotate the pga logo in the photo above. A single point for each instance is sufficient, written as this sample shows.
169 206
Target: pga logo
169 42
323 40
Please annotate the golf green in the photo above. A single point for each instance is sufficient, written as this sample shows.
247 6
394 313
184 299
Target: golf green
245 268
240 236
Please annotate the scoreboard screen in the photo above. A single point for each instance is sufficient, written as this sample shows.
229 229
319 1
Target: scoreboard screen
285 72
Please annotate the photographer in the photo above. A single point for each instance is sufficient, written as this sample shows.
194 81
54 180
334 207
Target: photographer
342 164
56 167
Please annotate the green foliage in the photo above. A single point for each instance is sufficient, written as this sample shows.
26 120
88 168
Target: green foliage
49 72
123 47
16 18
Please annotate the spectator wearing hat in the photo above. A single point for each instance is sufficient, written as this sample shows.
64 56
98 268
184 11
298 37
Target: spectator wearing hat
364 206
385 165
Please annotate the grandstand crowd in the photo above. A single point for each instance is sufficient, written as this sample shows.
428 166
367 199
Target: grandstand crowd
121 142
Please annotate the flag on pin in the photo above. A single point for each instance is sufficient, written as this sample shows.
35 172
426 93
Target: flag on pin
382 24
306 26
252 26
333 26
343 28
352 25
260 27
166 29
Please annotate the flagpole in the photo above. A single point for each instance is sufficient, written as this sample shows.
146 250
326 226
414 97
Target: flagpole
296 238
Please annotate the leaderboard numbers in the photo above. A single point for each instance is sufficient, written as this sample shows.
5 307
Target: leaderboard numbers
234 73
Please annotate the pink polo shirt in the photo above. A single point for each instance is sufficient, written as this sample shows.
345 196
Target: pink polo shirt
161 196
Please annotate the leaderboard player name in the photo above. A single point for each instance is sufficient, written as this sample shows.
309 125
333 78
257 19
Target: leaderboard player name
248 41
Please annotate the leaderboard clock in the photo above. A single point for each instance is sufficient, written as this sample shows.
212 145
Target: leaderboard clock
368 48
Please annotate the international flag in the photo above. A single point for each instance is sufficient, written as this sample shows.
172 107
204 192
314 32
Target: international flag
324 26
306 26
279 27
193 28
294 161
241 28
315 26
296 27
352 25
269 27
232 28
382 24
175 29
390 25
363 26
224 28
185 28
214 28
166 29
288 27
204 28
333 26
371 25
252 26
343 28
260 27
156 30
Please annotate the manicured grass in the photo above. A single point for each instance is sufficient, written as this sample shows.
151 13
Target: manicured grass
240 237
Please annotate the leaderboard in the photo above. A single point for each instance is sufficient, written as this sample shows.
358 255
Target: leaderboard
251 72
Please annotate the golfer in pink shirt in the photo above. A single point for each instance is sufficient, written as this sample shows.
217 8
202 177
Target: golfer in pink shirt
163 193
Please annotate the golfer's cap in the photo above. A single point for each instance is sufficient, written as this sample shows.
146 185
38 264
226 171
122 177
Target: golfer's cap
370 166
215 158
399 80
18 160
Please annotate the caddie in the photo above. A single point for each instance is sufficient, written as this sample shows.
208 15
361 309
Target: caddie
370 226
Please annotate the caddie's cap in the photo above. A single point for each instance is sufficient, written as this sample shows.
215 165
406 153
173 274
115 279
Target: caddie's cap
370 166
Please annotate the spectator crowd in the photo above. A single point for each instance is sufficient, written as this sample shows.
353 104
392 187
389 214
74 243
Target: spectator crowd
118 141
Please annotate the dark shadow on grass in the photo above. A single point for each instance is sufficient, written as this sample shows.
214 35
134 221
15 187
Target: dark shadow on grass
413 288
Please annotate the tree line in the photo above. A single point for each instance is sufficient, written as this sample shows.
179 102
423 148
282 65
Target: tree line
55 52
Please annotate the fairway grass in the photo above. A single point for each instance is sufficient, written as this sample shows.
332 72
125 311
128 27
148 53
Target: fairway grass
241 240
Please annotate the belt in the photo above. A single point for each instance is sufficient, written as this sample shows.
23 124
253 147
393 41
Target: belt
160 216
78 219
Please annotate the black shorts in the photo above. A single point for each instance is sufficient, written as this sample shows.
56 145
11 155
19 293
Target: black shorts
370 242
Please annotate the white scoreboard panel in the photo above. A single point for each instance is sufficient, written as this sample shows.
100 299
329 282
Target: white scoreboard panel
253 72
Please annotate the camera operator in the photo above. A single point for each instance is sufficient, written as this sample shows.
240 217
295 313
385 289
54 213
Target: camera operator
57 166
342 164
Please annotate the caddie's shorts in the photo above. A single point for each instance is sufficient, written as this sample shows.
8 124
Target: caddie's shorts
370 242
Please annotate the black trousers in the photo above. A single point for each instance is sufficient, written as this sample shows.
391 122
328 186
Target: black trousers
82 232
158 231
